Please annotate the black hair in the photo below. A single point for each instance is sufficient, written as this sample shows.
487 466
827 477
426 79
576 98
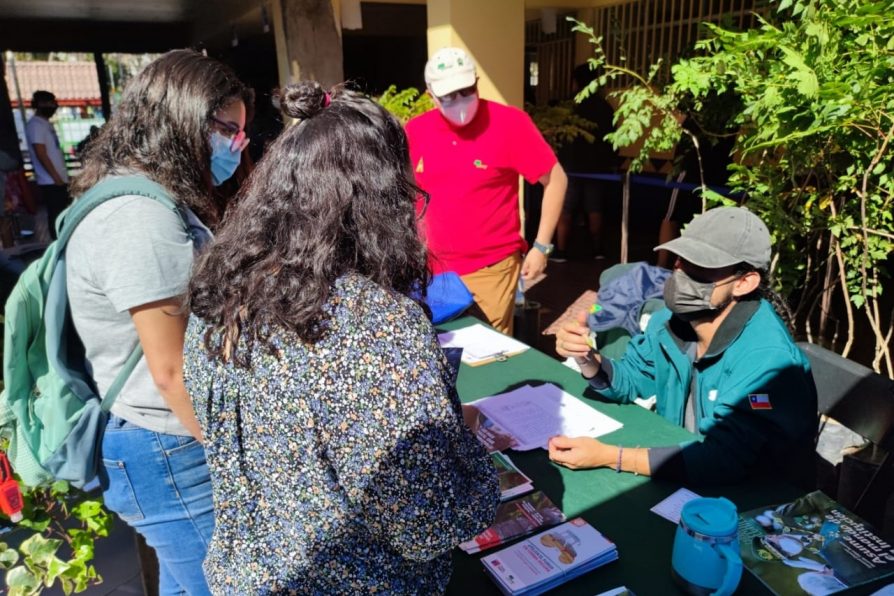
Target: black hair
41 96
765 290
161 128
334 194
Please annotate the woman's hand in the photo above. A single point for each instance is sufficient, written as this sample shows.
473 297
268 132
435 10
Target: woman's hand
582 452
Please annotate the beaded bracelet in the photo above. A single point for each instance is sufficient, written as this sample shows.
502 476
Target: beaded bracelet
620 454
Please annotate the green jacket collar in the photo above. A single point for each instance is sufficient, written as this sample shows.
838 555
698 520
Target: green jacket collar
731 327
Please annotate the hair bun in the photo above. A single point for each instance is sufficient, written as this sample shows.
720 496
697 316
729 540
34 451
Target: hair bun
302 100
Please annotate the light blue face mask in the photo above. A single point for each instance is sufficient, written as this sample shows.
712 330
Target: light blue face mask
223 161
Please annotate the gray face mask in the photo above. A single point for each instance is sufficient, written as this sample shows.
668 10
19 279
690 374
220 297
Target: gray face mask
690 299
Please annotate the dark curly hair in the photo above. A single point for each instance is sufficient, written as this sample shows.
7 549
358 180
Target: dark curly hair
161 128
334 194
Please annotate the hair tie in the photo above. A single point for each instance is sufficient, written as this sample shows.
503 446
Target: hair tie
326 100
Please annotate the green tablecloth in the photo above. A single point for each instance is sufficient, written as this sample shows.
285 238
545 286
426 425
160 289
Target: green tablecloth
616 504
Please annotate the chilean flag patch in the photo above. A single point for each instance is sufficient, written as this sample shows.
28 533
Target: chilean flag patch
760 401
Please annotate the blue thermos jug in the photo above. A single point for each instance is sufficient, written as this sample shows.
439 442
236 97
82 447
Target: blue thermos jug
706 548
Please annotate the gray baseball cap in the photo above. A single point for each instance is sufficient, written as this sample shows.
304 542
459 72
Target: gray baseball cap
722 237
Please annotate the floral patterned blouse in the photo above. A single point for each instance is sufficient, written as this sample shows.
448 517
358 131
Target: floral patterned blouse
342 466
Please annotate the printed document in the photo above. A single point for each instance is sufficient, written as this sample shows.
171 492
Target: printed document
531 415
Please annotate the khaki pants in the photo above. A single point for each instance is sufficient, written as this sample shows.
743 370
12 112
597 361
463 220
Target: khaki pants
494 290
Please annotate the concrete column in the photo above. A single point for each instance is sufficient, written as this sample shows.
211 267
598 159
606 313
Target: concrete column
9 139
493 32
308 41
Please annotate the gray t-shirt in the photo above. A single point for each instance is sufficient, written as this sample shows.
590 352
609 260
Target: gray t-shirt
128 252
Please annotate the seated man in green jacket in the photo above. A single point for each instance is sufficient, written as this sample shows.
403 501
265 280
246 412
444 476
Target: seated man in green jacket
719 360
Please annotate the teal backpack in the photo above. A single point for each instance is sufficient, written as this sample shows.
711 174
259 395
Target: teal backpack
49 409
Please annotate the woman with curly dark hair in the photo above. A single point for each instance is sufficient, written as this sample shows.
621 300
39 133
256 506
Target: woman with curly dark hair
338 453
180 125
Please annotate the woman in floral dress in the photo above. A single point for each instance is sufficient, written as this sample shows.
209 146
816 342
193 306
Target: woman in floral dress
339 458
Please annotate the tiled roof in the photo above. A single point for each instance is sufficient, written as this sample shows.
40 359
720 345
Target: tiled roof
69 81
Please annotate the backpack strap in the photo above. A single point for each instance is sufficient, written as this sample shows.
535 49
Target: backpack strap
115 388
106 190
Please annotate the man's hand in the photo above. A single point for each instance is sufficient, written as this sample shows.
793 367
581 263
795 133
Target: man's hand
582 452
571 342
534 265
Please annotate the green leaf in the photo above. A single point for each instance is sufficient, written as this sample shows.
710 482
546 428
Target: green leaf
20 580
40 549
8 558
60 487
55 568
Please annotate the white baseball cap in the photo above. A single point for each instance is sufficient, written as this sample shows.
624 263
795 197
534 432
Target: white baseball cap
449 70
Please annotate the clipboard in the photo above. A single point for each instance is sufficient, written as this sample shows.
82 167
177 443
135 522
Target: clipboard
481 345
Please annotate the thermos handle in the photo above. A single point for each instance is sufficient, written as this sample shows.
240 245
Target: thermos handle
730 552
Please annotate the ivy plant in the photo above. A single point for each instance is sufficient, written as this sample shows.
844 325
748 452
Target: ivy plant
55 539
560 124
813 147
406 103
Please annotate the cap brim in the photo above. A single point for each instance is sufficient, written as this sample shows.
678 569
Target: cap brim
454 83
699 253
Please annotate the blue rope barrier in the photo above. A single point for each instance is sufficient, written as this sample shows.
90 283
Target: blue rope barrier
650 181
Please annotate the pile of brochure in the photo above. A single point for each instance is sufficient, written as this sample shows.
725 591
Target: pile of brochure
513 481
515 519
549 559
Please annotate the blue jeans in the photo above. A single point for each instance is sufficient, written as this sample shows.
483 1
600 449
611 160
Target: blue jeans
159 484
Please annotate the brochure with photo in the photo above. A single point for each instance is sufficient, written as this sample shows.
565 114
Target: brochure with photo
812 545
515 519
513 482
549 559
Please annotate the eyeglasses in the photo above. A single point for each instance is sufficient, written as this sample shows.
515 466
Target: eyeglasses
238 140
453 96
426 199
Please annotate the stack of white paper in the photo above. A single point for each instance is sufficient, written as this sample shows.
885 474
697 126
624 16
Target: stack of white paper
533 414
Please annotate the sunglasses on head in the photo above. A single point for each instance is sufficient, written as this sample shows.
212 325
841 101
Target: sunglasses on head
238 139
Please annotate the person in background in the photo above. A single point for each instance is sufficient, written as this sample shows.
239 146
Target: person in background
720 362
339 455
180 123
587 194
47 158
82 144
468 155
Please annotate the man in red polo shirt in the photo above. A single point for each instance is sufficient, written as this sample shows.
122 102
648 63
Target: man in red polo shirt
468 155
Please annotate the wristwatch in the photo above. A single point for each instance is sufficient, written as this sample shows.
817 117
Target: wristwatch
546 249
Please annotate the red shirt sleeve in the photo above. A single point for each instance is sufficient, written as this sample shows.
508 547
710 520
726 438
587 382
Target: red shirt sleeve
531 154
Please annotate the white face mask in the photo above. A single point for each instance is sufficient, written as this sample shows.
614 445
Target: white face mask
459 111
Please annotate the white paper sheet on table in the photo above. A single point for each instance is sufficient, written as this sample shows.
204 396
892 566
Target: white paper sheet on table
533 414
672 507
481 344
